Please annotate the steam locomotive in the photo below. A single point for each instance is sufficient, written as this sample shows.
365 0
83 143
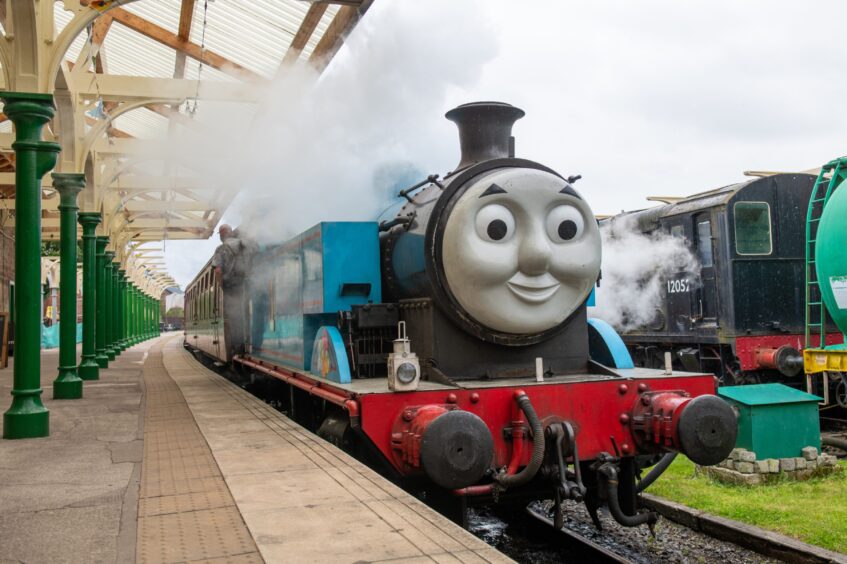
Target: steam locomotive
742 315
449 340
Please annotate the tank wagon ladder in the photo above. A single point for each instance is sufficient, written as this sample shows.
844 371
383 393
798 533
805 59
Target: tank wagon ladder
831 176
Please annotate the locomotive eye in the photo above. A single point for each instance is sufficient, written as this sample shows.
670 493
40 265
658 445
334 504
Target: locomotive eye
495 223
564 223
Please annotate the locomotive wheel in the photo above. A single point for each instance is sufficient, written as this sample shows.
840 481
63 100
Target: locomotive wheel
840 389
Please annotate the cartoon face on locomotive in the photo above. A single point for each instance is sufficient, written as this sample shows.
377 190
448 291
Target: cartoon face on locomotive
497 384
741 312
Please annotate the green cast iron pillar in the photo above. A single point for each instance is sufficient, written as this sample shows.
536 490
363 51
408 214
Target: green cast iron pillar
100 327
148 329
139 315
127 312
145 325
109 284
136 311
130 313
88 367
136 322
27 416
68 384
116 304
123 342
130 337
100 292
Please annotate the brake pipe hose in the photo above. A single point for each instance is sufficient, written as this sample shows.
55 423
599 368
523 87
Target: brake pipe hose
506 480
656 471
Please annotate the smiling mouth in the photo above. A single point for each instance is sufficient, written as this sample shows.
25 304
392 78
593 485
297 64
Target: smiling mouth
536 290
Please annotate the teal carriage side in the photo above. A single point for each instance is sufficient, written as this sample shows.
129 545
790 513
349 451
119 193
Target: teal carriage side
298 288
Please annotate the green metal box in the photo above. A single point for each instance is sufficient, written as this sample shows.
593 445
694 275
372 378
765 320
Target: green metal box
774 421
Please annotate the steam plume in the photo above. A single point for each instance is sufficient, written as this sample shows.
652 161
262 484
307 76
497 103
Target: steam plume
636 267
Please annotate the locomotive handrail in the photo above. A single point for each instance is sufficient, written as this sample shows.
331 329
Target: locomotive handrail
431 179
305 384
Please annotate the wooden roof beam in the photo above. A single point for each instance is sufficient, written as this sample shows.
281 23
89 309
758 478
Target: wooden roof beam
342 24
301 38
165 37
186 17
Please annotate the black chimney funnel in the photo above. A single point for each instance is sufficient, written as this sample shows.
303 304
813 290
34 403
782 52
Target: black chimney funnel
485 130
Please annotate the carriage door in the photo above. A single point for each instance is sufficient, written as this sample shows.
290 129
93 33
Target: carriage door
217 315
705 306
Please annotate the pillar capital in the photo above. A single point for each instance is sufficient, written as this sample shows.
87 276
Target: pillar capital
88 220
28 111
63 180
68 185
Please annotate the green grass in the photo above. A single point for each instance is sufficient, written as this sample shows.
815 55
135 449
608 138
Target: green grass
814 511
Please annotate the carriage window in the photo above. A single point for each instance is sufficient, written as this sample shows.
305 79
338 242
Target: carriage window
753 228
704 243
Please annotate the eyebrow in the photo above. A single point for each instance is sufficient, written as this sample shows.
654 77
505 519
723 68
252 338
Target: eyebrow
495 189
568 189
491 190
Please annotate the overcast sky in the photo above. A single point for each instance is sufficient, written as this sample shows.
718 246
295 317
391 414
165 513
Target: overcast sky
640 98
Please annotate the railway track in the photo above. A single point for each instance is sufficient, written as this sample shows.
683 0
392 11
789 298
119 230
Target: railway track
581 548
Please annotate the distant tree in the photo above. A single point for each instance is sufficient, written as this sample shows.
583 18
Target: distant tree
50 248
175 312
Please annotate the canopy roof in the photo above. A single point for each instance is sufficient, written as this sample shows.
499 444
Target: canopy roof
125 74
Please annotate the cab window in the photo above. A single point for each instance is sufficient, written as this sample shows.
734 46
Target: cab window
704 243
753 228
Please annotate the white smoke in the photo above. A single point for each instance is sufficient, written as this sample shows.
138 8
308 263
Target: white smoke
339 146
635 269
326 148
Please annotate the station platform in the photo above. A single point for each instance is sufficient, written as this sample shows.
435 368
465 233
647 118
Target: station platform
166 461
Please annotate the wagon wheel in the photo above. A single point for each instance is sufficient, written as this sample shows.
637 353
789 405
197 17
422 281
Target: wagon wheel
840 388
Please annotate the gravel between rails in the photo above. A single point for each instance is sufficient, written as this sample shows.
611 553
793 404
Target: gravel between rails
518 536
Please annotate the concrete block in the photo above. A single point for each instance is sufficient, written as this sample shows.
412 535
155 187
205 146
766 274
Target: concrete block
745 467
809 453
773 465
746 456
787 464
800 463
803 474
752 479
812 463
762 467
734 455
828 460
